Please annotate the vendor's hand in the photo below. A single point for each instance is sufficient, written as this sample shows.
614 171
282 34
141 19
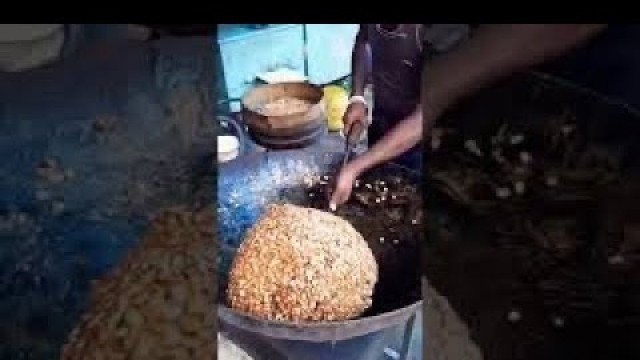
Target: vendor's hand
356 113
343 186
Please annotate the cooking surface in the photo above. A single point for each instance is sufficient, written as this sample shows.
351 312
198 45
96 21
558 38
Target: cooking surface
278 176
91 148
286 176
387 210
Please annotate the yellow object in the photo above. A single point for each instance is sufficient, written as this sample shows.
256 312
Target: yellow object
336 101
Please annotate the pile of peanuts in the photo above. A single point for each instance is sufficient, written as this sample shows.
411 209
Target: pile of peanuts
285 106
160 302
302 265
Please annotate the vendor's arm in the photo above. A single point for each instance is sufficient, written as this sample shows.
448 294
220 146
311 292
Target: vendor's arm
493 52
496 51
360 59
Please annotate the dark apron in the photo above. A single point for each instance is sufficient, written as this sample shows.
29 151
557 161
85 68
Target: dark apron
396 67
398 52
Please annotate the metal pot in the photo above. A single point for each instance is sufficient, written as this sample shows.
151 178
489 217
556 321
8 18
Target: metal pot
295 130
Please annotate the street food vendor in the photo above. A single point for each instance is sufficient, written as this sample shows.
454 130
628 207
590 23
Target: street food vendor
392 56
459 65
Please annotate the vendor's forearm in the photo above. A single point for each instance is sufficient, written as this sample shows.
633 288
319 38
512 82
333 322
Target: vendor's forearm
360 62
495 51
403 137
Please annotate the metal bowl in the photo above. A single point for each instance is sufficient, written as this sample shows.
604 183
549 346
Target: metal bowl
292 126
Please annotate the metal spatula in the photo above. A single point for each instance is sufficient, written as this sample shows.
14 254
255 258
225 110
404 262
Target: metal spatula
351 140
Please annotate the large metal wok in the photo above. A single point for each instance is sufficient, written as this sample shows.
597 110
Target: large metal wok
245 187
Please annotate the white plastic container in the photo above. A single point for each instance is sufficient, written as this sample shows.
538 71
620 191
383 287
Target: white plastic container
228 148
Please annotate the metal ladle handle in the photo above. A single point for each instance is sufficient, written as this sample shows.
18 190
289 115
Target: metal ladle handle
236 128
352 138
